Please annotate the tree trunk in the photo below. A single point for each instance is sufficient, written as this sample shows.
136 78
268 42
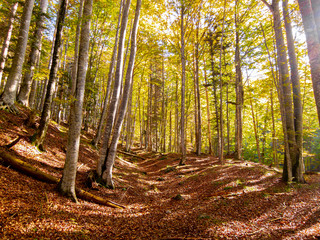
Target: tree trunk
297 163
97 137
101 166
34 57
6 42
221 152
10 91
67 182
313 44
255 131
316 14
183 86
107 174
239 91
74 70
39 136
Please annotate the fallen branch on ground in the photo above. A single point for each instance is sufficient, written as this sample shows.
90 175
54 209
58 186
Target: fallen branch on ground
130 154
32 171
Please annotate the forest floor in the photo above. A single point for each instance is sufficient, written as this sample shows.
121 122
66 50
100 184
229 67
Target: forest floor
200 200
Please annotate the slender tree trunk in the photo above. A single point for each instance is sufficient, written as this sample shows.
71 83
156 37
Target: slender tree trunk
316 14
221 152
10 91
107 174
239 91
255 131
67 182
297 163
39 137
183 82
97 137
6 42
101 166
313 44
274 141
34 57
208 113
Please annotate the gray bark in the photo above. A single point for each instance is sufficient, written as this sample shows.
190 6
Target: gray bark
67 182
38 138
10 91
183 88
107 174
97 137
297 163
6 42
101 166
76 51
34 56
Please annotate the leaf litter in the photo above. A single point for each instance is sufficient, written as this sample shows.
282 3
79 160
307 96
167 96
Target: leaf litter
200 200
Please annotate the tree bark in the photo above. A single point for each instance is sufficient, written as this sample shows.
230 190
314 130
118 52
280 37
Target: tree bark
6 42
101 166
67 182
8 96
313 45
34 57
107 174
183 86
297 163
76 51
39 136
97 137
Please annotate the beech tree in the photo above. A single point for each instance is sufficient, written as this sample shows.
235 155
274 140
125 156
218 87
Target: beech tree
39 136
25 88
8 96
6 42
67 182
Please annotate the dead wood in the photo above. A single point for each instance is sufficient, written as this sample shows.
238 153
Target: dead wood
32 171
130 154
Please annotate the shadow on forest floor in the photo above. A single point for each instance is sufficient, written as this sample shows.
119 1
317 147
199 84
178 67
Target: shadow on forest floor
202 199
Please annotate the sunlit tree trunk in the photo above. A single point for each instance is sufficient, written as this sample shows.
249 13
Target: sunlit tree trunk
8 96
67 182
183 82
239 90
297 163
110 77
25 88
101 166
7 39
208 113
39 136
221 145
107 174
313 44
76 50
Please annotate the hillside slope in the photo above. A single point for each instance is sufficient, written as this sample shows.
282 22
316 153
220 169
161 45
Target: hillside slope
201 200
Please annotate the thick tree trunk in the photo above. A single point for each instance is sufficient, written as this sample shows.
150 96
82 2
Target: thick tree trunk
297 163
313 44
67 182
6 42
107 174
8 97
39 136
101 166
34 57
316 14
76 51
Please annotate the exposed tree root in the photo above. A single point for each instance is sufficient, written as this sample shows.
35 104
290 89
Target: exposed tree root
32 171
10 107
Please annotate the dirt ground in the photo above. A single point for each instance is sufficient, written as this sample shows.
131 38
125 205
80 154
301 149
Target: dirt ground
200 200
